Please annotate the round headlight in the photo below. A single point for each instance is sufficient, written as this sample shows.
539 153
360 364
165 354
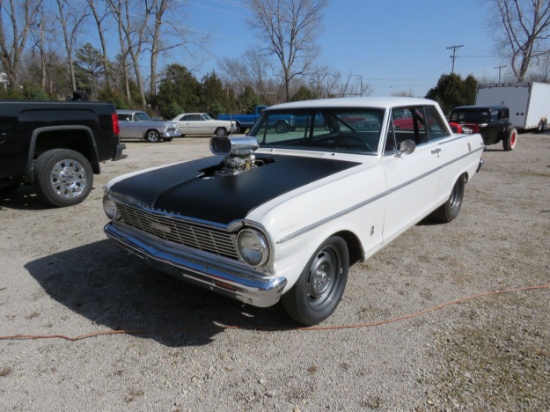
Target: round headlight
109 206
253 247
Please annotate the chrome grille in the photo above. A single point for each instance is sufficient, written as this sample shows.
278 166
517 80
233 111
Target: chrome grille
178 231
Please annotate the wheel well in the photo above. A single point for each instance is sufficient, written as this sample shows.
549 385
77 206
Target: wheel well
74 139
354 246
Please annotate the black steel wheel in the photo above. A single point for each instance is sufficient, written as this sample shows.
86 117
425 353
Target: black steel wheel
321 285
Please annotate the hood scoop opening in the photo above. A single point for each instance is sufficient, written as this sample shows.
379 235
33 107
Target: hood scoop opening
239 156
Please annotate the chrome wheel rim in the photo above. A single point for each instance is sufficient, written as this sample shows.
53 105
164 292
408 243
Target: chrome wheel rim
68 178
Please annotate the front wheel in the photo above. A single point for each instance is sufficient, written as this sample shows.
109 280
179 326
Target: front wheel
510 138
448 211
321 285
63 177
152 136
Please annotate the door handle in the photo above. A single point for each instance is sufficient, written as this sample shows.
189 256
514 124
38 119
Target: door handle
436 151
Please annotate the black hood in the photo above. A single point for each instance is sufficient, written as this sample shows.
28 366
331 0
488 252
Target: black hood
183 188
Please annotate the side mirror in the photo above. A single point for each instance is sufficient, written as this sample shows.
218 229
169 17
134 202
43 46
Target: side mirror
406 147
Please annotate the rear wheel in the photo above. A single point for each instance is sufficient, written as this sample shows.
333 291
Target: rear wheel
510 138
321 285
63 177
221 132
448 211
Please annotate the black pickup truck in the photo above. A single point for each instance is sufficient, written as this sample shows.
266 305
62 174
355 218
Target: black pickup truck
56 146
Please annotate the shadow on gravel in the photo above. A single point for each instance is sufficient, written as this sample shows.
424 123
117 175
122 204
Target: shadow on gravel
109 287
24 198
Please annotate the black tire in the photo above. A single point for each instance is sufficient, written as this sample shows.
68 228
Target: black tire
221 132
152 136
281 127
510 138
62 177
449 210
321 285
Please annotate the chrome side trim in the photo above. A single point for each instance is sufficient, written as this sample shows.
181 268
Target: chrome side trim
370 200
234 281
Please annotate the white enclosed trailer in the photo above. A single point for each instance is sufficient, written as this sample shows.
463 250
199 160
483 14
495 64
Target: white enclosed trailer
529 103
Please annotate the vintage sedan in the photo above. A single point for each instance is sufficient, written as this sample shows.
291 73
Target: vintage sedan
135 124
203 124
282 216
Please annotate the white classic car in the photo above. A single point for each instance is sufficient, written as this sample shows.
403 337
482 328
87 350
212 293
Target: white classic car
203 124
135 124
281 216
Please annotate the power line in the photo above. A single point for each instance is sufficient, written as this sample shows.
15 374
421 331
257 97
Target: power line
453 57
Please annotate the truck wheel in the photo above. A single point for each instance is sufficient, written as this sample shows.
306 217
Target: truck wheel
152 136
281 127
62 177
221 132
448 211
510 138
321 285
240 129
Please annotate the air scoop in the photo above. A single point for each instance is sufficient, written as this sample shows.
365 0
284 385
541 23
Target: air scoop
238 152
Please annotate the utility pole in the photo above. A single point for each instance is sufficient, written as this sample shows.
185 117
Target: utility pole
499 70
453 57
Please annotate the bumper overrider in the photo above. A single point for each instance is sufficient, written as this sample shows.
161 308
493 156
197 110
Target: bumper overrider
205 271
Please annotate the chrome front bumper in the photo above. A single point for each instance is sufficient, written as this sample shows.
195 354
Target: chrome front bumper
235 282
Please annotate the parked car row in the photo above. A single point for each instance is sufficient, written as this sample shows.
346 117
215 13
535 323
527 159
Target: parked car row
136 124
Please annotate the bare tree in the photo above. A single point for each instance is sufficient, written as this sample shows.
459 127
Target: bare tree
70 20
525 25
99 20
289 29
22 15
132 26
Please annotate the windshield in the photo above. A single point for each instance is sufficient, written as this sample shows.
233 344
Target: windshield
338 130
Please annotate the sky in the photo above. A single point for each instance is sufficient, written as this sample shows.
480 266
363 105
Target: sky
393 46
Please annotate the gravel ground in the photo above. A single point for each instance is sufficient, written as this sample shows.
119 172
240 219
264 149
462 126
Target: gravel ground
197 351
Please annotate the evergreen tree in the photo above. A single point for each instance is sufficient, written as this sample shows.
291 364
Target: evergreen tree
452 91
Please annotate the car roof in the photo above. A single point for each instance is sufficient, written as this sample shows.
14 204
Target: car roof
352 102
473 107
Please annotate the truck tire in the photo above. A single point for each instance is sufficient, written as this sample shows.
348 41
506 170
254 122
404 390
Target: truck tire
62 177
281 127
510 138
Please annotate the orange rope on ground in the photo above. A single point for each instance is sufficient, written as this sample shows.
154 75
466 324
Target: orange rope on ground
314 328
